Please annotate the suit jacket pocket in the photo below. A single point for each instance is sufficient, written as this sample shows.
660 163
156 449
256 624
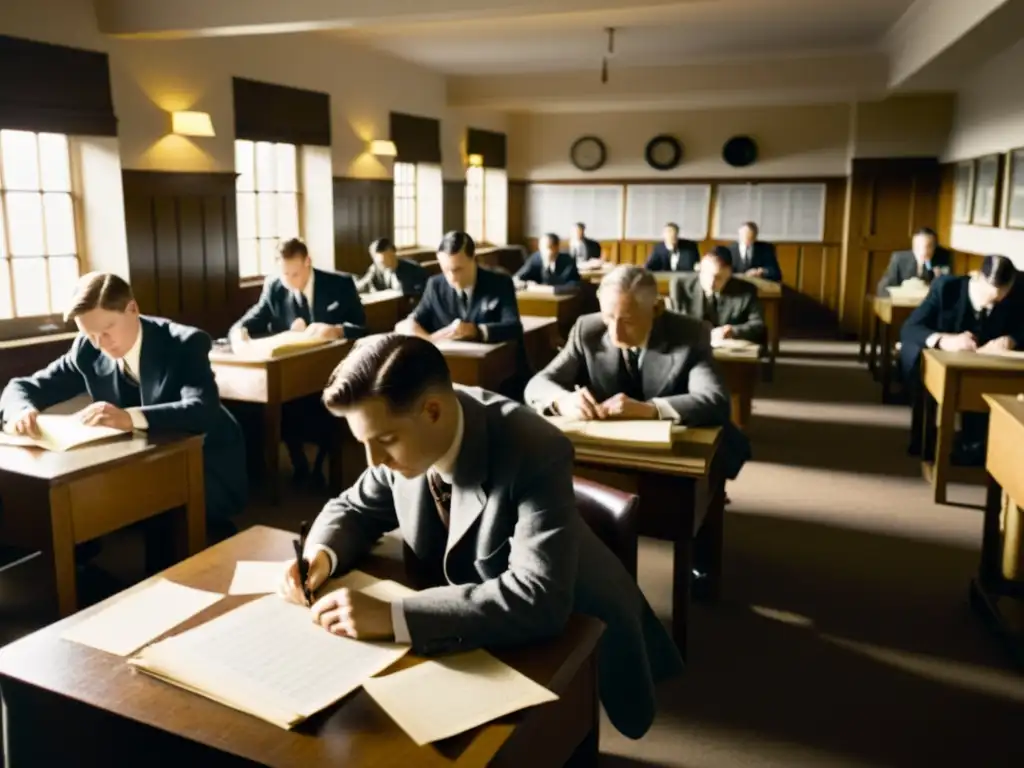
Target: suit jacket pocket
496 563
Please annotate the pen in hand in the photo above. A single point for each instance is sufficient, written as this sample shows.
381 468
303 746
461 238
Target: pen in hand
303 564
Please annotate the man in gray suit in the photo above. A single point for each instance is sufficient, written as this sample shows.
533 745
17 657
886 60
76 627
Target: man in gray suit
729 304
481 489
925 260
634 360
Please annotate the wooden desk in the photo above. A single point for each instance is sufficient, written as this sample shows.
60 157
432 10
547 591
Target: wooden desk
384 309
474 364
740 372
275 382
997 592
433 267
541 339
565 307
682 495
888 318
110 715
53 501
957 382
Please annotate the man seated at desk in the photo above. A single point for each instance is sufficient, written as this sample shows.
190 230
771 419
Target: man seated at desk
729 304
142 373
981 313
321 304
673 254
586 252
388 272
481 489
754 258
549 267
925 260
634 360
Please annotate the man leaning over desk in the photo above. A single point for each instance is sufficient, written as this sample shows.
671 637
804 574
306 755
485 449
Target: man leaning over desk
481 489
389 272
729 305
142 373
548 266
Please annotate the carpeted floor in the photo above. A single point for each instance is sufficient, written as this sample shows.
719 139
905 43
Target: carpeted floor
844 636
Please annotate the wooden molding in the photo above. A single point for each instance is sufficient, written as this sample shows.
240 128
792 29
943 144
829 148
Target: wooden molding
175 183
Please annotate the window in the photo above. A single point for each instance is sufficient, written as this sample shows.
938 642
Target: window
650 206
487 205
555 207
418 205
784 212
268 203
38 239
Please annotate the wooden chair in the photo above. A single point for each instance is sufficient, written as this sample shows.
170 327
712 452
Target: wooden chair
611 514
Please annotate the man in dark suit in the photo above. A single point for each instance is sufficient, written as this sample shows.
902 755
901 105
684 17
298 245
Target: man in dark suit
390 273
465 302
729 304
142 373
754 258
481 489
549 267
673 254
317 303
581 247
926 260
634 361
981 313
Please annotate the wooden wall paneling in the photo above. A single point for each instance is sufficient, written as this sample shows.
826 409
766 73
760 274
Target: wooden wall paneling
192 264
363 211
454 205
215 242
168 257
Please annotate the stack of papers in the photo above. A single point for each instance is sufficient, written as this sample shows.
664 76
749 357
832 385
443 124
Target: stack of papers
736 345
61 433
656 434
279 344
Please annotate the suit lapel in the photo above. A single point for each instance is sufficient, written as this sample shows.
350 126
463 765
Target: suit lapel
468 495
318 309
963 307
659 366
412 497
605 371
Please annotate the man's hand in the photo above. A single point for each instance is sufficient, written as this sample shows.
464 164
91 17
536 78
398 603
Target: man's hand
319 569
106 415
1002 344
352 614
580 404
958 342
410 327
298 325
721 333
621 407
755 272
324 331
238 337
26 424
463 331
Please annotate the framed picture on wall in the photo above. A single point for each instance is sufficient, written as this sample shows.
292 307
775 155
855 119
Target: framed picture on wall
1015 189
963 196
986 192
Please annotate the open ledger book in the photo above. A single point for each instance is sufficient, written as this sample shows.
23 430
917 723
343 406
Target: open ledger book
268 659
654 434
280 344
61 433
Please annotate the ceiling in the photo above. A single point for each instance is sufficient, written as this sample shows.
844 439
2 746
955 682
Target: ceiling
666 35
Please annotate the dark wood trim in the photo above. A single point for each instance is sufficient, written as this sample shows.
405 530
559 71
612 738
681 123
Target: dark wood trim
417 138
279 113
694 180
364 209
174 183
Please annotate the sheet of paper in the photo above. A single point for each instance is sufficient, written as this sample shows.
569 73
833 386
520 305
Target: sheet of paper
60 432
646 433
382 589
380 296
438 699
253 577
137 619
278 344
268 658
735 345
464 347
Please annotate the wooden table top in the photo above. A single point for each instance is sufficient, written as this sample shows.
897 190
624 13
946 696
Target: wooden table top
354 732
62 467
224 355
1005 451
751 355
972 361
379 297
554 298
691 455
473 349
533 323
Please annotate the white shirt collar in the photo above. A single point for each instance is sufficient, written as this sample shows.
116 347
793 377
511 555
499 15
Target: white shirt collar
133 356
308 290
445 466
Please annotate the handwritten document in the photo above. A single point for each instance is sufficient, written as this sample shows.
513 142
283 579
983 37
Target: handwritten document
438 699
267 658
138 618
61 433
254 577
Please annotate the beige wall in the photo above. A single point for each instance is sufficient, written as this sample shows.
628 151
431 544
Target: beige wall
149 78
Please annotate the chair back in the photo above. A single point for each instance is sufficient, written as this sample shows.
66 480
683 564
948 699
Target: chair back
611 514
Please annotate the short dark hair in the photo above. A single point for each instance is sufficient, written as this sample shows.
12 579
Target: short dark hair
998 271
552 238
673 226
382 245
101 290
752 226
457 241
721 254
293 248
582 226
392 366
926 231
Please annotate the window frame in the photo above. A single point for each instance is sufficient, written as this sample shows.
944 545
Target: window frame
412 235
484 239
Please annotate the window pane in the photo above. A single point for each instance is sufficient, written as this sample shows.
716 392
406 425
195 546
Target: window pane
60 224
63 276
21 162
266 223
55 162
287 168
268 256
247 215
25 220
264 166
30 286
5 290
245 162
287 216
3 236
248 261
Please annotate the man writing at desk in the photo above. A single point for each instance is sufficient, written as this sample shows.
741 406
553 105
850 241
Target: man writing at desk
548 266
481 490
142 373
388 272
728 304
673 254
317 303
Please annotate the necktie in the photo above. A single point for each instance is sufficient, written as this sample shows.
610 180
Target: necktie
631 357
711 309
464 305
442 493
302 307
128 372
745 257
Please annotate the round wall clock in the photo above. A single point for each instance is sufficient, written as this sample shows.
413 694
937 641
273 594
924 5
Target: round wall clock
740 151
588 153
663 152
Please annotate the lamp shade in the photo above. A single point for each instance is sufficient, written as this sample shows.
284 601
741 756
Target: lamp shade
383 148
192 124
